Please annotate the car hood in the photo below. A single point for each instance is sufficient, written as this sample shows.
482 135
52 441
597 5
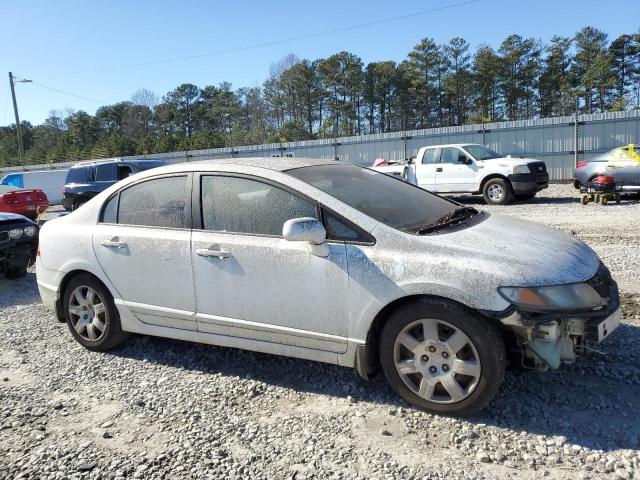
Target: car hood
512 161
508 251
12 217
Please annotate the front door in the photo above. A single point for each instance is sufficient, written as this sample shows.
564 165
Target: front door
453 174
143 245
251 283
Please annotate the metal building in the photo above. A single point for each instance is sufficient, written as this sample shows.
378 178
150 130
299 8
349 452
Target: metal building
559 141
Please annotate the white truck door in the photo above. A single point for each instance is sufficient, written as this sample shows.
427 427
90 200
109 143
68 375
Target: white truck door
456 171
425 169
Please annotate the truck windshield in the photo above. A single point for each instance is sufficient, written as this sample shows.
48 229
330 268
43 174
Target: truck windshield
480 152
381 197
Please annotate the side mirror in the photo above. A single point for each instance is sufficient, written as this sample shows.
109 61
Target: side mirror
464 159
310 230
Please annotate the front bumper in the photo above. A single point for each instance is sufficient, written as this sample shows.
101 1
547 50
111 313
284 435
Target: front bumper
16 254
526 183
545 340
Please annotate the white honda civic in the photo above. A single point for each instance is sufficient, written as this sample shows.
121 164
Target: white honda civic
331 262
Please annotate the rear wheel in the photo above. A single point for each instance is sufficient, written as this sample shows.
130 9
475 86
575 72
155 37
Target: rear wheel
91 315
497 191
441 358
78 203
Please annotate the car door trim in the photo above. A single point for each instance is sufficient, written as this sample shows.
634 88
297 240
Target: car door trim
234 327
155 314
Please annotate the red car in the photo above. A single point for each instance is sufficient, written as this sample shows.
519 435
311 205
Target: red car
22 202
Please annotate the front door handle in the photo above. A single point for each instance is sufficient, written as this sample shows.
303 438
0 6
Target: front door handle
113 243
205 252
439 169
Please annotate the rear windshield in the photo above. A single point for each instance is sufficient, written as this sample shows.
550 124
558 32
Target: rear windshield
78 175
381 197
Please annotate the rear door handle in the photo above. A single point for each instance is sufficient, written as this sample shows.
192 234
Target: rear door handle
439 169
205 252
113 243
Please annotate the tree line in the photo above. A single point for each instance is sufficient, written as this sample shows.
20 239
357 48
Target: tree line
436 85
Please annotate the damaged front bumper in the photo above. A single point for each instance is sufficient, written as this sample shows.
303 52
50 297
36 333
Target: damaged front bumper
547 340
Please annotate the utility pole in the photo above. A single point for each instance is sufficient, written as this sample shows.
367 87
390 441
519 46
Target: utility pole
15 111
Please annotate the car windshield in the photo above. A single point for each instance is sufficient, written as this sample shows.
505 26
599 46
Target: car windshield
383 198
480 152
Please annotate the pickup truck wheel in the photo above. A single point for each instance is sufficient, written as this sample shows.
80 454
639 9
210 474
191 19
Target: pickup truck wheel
91 315
441 358
497 191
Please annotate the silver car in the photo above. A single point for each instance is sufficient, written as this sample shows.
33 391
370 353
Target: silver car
331 262
619 163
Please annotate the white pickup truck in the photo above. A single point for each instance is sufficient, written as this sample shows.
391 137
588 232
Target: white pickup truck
473 168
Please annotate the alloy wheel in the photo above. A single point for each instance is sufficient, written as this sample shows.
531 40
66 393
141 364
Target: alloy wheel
437 361
88 314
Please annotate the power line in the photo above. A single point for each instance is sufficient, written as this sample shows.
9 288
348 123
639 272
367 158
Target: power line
69 93
266 44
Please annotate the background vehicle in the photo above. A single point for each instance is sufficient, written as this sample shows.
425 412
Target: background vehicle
331 262
49 181
18 244
473 168
21 201
85 180
622 163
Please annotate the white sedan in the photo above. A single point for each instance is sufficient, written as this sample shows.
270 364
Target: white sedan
331 262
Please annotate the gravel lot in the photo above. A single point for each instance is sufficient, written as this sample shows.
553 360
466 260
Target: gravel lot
159 408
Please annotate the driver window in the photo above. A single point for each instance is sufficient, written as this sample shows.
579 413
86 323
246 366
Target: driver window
429 156
449 155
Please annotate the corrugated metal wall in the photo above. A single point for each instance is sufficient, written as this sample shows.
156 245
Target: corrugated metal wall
558 141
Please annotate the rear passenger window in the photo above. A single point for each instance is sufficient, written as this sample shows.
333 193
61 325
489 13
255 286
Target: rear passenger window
155 203
105 172
429 156
242 205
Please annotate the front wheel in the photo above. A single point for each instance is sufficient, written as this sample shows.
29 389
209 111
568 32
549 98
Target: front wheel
441 358
91 315
497 191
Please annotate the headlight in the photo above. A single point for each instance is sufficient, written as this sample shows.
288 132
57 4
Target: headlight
15 233
521 169
556 298
30 231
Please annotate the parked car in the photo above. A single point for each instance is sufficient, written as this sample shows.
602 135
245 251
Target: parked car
326 261
18 244
622 163
86 179
22 201
49 181
475 169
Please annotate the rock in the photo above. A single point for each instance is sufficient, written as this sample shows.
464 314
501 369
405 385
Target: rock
483 457
386 433
85 467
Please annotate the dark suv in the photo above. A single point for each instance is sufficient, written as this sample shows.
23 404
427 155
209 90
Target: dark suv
87 179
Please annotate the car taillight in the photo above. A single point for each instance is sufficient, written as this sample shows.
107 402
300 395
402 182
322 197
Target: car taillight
38 252
64 191
581 164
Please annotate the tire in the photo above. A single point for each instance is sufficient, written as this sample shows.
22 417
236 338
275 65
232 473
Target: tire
76 296
482 355
497 191
15 272
526 196
78 203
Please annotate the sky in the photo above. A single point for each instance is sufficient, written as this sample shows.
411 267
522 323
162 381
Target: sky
74 45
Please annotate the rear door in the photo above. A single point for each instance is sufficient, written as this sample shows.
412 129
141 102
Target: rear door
142 244
452 174
426 171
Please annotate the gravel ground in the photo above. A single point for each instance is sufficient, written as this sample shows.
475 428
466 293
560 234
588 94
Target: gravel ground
159 408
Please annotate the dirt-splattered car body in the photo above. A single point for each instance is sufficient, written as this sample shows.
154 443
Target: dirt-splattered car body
329 297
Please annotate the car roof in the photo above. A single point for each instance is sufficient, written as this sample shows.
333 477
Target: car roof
278 164
90 163
454 145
